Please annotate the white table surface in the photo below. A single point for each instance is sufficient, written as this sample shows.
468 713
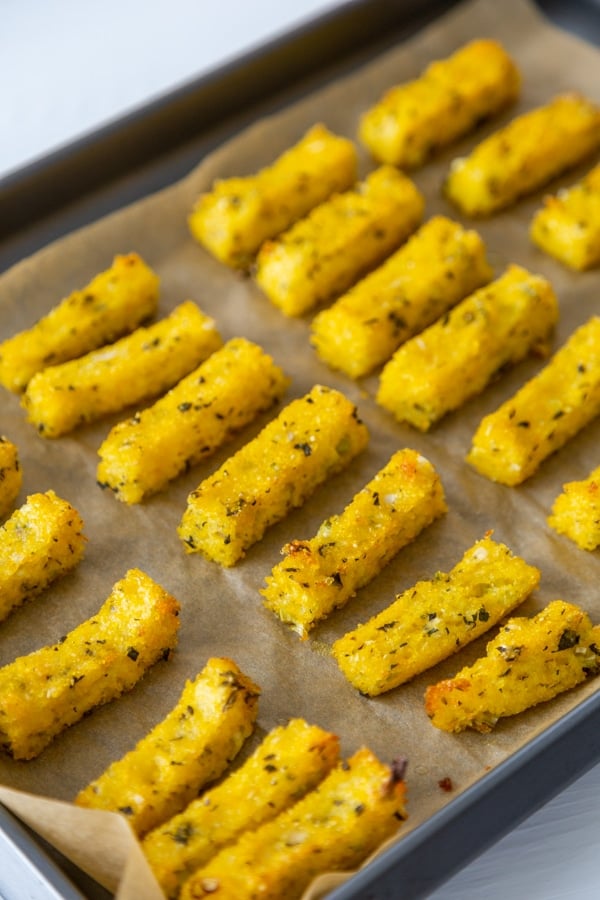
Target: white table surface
69 66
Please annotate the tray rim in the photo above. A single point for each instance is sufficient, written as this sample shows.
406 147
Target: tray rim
28 198
566 750
26 852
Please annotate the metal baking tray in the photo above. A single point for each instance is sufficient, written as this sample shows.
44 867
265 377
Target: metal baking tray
152 148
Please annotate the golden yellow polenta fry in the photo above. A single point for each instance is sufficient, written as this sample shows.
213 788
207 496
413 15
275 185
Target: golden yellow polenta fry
135 368
576 511
511 443
568 225
350 549
322 255
334 827
192 746
40 542
11 476
454 359
432 620
452 96
205 409
311 439
438 266
52 688
523 157
114 303
291 760
238 214
531 660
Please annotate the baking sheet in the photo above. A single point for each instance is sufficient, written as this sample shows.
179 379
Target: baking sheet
222 612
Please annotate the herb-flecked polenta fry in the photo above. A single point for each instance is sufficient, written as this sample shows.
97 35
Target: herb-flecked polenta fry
522 157
334 827
450 98
52 688
531 660
454 359
291 760
568 224
191 747
239 214
320 256
142 454
136 368
350 549
511 443
431 621
576 512
311 439
11 476
438 266
114 303
41 541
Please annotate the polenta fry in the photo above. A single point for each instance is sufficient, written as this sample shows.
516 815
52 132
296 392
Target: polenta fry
335 826
454 359
11 476
311 439
239 214
576 511
532 660
450 98
438 266
320 256
52 688
141 455
522 157
349 550
192 746
568 225
138 367
434 619
114 303
291 760
511 443
40 542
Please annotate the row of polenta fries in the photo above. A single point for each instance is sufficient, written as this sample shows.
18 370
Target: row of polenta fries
414 297
530 661
270 219
44 540
325 251
213 390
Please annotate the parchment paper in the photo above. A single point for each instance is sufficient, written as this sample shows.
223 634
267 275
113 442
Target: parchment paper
222 613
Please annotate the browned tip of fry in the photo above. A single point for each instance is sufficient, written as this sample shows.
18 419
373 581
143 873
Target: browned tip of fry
435 694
